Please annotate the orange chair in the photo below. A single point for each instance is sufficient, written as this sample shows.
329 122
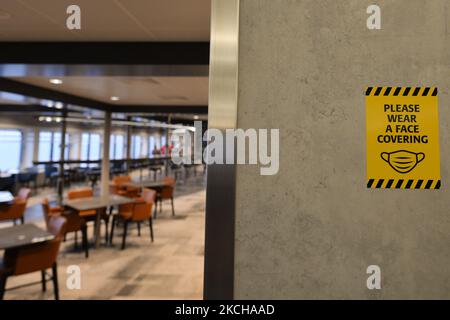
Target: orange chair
88 215
34 258
16 210
120 186
117 184
166 193
138 212
74 223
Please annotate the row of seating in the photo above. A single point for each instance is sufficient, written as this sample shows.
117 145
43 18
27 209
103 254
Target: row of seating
60 221
122 185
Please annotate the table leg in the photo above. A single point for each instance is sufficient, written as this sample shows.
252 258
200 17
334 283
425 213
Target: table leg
97 227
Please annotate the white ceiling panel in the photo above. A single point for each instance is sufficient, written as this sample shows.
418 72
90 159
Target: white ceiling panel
132 90
106 20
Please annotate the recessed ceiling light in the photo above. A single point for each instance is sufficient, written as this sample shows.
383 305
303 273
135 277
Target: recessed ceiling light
59 105
196 117
48 119
56 81
114 98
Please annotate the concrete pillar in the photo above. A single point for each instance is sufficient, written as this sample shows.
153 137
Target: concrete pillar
104 183
312 230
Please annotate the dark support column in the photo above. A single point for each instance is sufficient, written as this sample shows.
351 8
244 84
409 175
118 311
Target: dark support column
128 155
169 120
60 183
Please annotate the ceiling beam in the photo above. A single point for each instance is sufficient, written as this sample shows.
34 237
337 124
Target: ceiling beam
104 70
20 108
30 90
121 53
183 121
159 109
101 58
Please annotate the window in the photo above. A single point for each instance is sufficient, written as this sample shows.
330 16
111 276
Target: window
50 146
135 147
90 146
94 147
10 146
151 145
85 146
45 146
116 147
57 146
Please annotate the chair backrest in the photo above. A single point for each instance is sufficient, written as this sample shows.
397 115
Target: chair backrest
118 182
149 195
49 169
121 179
42 256
56 226
80 193
167 190
142 209
15 211
132 192
24 177
24 193
46 210
126 208
170 181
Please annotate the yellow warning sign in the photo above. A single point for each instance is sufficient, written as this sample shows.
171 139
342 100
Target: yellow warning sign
402 138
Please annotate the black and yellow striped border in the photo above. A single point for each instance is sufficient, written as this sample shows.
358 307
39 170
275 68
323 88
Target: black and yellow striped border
401 91
403 184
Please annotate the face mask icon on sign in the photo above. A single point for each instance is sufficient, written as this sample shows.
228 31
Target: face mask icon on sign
403 161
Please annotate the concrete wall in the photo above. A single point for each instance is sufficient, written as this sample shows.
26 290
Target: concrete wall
312 230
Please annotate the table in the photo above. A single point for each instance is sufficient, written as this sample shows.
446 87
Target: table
6 197
151 184
98 204
23 235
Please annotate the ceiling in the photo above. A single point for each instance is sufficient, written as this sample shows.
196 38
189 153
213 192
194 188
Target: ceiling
131 90
114 21
106 20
